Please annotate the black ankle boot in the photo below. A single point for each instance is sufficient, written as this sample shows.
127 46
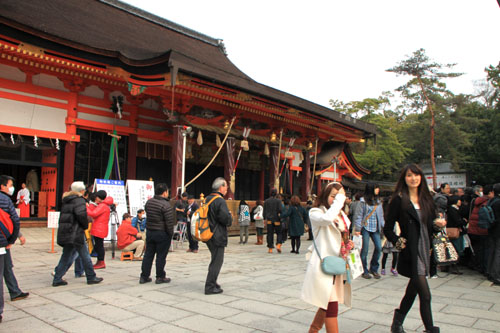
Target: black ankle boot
397 322
432 330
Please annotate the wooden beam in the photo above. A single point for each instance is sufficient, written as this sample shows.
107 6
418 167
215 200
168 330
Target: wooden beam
39 133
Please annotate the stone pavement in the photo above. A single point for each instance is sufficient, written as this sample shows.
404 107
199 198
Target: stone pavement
261 294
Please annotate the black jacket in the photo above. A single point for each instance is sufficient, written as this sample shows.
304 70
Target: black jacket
454 219
409 223
272 209
495 229
160 214
7 205
72 220
219 218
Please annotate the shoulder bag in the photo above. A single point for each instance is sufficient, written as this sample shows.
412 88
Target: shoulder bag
443 250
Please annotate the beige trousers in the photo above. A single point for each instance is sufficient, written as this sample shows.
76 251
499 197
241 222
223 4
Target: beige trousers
138 246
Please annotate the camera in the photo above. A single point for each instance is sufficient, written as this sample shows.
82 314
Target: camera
112 208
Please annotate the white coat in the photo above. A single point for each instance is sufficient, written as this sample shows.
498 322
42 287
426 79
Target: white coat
326 227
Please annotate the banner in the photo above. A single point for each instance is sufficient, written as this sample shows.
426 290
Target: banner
116 190
139 191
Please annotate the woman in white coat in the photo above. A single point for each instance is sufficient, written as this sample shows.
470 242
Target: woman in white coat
330 227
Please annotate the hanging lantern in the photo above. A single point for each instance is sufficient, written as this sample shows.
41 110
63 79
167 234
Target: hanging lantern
266 149
226 124
273 137
12 139
199 140
218 143
309 145
35 141
57 144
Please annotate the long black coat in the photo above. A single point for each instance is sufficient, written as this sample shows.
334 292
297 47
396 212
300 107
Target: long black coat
409 223
219 219
72 220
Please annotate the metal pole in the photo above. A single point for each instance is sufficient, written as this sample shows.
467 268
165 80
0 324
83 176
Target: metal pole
183 160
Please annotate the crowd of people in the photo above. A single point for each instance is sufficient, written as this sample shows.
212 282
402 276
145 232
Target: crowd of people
403 224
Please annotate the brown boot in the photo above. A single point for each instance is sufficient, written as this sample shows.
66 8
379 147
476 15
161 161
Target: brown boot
318 321
261 239
278 247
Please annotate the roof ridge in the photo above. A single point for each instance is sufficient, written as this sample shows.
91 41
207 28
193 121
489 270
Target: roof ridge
163 22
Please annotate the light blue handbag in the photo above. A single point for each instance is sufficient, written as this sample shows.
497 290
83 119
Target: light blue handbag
331 265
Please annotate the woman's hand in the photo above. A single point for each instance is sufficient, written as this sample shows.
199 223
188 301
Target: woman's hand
440 222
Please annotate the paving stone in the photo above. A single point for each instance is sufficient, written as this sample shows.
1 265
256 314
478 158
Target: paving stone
200 323
472 313
214 299
261 307
487 325
52 313
117 298
29 324
106 312
136 324
159 312
82 324
216 311
70 299
164 327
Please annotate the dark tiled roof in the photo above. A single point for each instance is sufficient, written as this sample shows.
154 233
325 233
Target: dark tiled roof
117 34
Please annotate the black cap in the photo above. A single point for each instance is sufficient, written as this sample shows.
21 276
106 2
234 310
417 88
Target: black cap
101 194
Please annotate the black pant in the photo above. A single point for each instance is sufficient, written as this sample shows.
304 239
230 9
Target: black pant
273 227
157 243
295 243
418 285
193 243
394 259
99 247
216 261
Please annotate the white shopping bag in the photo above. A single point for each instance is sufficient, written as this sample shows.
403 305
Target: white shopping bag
355 265
358 242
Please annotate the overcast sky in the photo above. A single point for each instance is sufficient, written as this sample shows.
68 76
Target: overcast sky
340 49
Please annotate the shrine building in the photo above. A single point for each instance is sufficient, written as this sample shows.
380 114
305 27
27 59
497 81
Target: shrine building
77 75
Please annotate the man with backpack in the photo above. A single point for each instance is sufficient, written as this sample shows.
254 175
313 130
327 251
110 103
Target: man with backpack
219 219
477 235
493 268
9 226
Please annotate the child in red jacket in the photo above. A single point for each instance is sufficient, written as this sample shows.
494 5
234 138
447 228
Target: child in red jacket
129 239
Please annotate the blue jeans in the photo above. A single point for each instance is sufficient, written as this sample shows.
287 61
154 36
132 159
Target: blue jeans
10 278
67 258
375 236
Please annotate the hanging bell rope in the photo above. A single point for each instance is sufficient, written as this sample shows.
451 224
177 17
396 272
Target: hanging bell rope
314 166
215 156
246 134
290 144
277 179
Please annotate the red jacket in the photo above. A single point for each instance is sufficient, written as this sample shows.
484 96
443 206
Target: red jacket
126 234
100 214
474 217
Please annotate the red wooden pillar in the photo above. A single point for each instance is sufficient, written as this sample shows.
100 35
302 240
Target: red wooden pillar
262 178
274 158
306 176
176 160
70 149
132 141
229 166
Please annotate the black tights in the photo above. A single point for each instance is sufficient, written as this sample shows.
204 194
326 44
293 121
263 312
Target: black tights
418 285
295 243
394 259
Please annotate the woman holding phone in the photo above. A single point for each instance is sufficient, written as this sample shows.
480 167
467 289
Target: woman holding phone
413 207
330 228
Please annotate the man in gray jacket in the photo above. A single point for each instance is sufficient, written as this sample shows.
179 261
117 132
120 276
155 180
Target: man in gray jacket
159 228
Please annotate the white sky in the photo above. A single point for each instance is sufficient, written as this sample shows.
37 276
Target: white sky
339 49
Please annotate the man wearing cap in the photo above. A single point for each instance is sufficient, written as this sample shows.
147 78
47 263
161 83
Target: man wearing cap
70 235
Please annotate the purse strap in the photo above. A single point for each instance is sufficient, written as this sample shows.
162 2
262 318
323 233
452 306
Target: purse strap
369 215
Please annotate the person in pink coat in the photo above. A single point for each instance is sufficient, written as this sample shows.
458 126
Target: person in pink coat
99 230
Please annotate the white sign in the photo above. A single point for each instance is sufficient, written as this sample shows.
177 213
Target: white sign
116 190
53 220
453 179
139 191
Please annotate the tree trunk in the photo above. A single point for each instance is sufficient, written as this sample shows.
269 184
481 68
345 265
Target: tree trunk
432 125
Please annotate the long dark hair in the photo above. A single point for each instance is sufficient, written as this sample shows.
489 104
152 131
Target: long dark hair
369 195
322 199
425 200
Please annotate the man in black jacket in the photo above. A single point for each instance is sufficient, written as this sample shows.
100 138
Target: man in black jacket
70 235
272 210
6 190
494 239
159 228
219 218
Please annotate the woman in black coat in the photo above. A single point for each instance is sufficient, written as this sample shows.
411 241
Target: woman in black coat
413 207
